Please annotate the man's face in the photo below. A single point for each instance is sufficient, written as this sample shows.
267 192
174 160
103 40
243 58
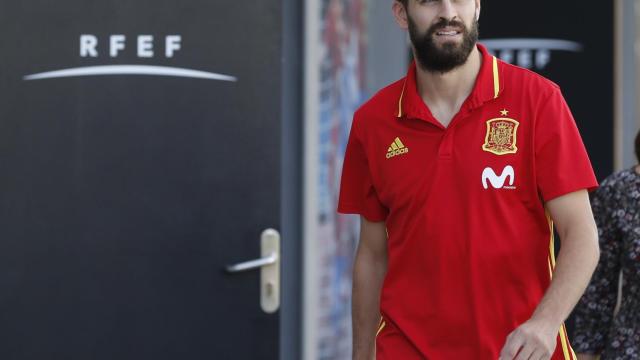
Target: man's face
443 32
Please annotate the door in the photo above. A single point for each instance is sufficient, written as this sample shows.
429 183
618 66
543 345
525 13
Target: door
139 157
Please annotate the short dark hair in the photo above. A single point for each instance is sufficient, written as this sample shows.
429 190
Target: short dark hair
638 146
403 2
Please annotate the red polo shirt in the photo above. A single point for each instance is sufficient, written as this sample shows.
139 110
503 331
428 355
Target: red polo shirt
469 242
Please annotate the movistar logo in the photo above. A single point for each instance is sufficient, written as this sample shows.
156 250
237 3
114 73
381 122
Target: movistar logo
497 182
396 148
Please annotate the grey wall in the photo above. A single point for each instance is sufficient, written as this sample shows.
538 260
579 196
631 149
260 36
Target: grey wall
629 121
387 55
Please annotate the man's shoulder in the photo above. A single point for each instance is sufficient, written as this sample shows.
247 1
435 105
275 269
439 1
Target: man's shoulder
522 79
383 104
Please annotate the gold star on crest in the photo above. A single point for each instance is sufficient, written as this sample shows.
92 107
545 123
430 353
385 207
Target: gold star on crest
504 112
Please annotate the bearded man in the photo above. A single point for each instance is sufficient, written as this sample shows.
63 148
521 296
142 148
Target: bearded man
459 172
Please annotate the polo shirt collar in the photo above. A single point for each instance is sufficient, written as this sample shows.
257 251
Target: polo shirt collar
489 85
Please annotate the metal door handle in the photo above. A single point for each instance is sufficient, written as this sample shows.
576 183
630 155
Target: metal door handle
269 265
253 264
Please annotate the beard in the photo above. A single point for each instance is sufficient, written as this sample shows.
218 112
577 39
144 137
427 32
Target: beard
448 56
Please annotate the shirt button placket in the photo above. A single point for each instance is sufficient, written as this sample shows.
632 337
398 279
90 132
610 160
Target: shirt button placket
445 150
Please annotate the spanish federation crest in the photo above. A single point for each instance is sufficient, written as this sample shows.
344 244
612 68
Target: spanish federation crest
501 136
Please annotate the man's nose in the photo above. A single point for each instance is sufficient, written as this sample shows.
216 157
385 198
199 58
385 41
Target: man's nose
447 10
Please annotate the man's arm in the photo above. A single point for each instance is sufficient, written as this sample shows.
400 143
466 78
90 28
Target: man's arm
577 260
368 273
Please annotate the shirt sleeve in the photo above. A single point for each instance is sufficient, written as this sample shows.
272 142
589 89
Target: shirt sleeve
561 160
357 193
594 312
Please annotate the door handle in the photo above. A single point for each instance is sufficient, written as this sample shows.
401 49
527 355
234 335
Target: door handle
269 265
253 264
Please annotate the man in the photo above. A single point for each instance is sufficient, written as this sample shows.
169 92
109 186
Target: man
459 172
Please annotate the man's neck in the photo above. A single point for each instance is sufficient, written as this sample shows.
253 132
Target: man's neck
445 93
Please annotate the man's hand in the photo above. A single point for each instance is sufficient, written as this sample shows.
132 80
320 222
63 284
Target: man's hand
533 340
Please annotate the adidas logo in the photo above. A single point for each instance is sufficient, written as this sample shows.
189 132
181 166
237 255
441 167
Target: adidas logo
396 148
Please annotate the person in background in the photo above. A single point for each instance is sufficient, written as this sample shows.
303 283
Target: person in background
598 331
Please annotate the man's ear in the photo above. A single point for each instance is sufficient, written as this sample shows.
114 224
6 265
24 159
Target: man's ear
477 10
400 14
